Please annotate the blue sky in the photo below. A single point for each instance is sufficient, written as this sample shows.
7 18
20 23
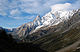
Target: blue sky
14 13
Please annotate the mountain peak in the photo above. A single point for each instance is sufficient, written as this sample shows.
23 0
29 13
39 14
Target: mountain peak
37 18
37 21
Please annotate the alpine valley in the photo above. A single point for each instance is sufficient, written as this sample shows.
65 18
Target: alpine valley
56 31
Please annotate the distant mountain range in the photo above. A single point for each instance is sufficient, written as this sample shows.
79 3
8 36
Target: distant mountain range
7 30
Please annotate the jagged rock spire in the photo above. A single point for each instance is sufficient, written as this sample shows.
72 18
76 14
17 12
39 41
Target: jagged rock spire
37 18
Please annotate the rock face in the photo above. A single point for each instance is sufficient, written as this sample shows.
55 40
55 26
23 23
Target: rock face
26 28
48 21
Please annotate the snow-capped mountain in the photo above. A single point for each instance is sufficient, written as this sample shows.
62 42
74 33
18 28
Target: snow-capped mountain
50 19
55 17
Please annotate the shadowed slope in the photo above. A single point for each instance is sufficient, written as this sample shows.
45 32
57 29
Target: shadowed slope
8 44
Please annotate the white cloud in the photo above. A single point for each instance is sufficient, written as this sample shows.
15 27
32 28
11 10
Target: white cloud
65 6
3 13
30 17
3 8
38 6
43 6
22 17
18 18
14 12
33 6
